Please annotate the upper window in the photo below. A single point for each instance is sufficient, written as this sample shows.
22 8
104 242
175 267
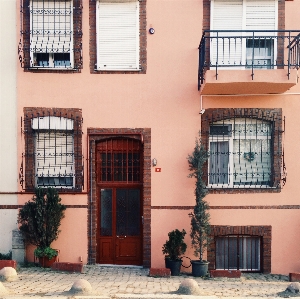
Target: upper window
240 47
118 36
53 154
54 151
51 33
245 148
50 39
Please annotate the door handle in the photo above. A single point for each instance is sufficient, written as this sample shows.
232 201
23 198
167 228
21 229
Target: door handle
143 220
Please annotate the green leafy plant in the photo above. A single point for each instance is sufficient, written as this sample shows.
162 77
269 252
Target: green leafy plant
175 246
200 217
41 217
48 252
6 256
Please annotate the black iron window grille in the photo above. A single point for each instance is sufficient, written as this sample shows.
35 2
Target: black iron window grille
51 31
53 154
245 148
238 252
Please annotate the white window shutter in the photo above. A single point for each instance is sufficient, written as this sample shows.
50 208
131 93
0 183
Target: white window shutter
51 26
261 15
118 35
226 15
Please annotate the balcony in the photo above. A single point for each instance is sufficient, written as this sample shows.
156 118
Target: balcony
248 62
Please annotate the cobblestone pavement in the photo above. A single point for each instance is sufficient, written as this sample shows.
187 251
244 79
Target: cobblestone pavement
111 280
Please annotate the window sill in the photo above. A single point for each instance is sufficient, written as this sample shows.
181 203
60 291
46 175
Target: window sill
117 70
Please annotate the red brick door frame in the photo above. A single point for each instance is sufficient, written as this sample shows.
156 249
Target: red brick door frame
98 134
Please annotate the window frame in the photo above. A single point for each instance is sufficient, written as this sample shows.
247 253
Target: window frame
100 66
142 41
28 171
244 49
51 54
24 49
240 259
231 148
278 169
44 150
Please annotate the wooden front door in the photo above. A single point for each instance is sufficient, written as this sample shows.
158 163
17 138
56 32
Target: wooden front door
119 188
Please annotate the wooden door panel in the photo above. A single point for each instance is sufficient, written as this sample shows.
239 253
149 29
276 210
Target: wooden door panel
106 251
119 186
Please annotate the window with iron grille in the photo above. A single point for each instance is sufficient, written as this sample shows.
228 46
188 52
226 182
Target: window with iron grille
238 252
245 148
53 154
240 153
51 32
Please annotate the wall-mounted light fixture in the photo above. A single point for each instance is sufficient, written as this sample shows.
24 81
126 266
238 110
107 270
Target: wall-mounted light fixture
154 162
151 30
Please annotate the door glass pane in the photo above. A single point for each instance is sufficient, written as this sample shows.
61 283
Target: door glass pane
106 212
128 212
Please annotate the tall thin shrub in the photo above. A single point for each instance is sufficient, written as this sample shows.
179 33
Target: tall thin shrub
200 217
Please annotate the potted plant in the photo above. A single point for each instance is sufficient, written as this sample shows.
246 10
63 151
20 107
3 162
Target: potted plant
40 219
200 217
174 248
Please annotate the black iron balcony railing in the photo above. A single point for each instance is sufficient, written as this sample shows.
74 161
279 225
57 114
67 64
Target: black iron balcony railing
248 49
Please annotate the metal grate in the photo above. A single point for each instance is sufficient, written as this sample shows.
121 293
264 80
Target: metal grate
51 34
238 252
245 148
53 154
119 160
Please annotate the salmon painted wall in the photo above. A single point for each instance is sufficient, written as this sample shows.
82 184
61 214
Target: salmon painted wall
167 101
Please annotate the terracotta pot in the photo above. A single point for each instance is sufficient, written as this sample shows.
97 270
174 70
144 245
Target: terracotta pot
45 262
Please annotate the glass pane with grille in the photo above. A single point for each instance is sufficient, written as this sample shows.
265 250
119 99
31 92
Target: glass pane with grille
54 158
106 212
128 212
238 253
219 162
120 160
240 153
51 23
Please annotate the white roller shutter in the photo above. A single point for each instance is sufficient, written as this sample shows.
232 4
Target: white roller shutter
51 24
239 15
261 15
226 15
117 35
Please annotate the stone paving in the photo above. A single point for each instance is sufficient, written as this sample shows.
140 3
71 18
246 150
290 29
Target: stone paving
110 281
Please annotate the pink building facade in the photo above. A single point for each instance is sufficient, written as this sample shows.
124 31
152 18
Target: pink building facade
110 110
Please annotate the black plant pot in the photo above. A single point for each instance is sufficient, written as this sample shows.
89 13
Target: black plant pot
199 269
174 266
